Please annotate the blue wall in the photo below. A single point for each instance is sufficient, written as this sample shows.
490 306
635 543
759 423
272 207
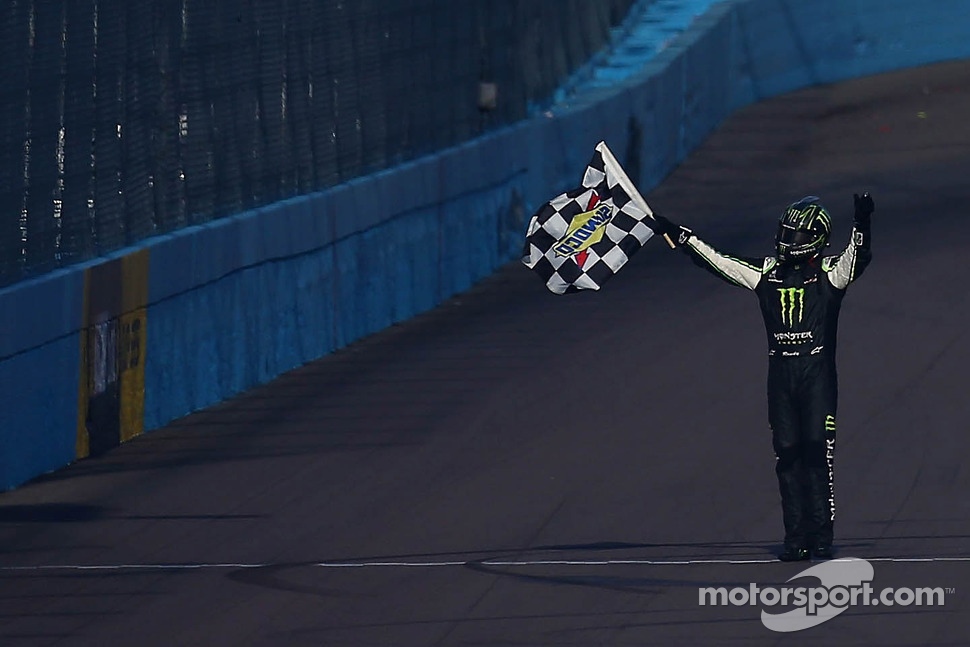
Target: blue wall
234 303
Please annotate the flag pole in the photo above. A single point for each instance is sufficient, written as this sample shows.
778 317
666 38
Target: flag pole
628 185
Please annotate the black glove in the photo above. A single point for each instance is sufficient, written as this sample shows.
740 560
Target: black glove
678 234
863 209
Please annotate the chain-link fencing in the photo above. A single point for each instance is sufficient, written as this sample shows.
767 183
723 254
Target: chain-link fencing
122 119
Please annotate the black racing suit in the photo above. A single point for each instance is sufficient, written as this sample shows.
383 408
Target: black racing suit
800 304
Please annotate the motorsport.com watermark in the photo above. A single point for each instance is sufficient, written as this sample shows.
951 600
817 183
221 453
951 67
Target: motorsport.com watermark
844 583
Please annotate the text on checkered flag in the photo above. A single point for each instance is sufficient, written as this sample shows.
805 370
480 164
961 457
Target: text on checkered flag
581 238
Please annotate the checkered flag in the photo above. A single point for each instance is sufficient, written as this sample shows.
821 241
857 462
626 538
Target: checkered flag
579 239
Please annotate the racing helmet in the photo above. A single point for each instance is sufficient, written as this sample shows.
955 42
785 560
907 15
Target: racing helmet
803 230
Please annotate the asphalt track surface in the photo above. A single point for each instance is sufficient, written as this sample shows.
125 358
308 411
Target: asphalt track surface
519 468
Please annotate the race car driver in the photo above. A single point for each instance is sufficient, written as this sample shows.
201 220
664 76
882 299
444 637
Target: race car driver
800 292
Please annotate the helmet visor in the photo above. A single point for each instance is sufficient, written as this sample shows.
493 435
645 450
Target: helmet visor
796 237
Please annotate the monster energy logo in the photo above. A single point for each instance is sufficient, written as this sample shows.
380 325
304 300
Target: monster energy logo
792 305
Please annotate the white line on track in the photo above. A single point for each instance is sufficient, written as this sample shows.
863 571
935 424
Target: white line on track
442 564
126 567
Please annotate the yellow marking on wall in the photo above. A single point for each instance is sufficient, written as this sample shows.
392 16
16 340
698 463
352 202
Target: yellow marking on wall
132 343
111 384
